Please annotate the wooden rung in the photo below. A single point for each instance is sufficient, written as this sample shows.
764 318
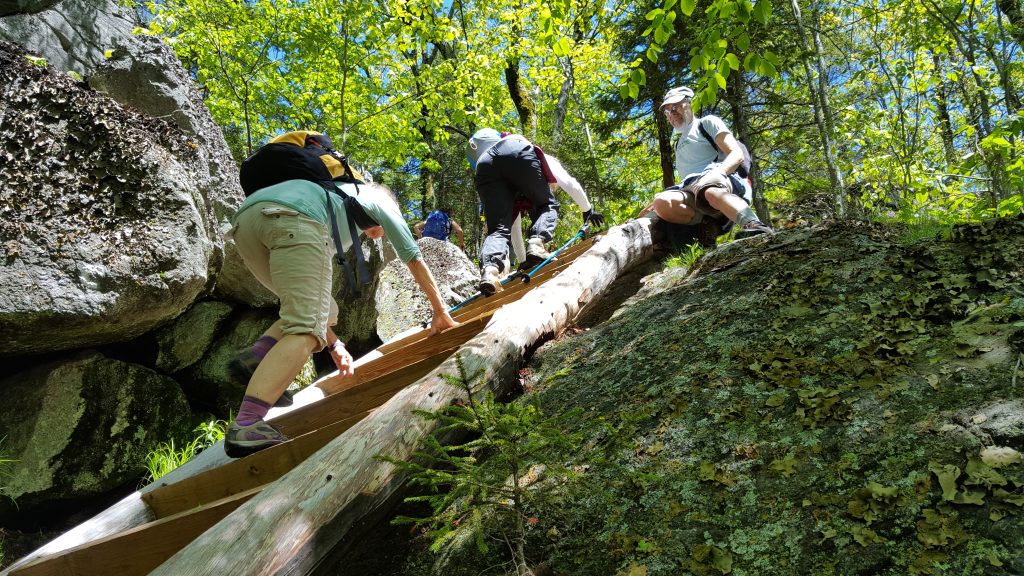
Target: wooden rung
469 311
242 474
335 406
139 550
310 428
414 352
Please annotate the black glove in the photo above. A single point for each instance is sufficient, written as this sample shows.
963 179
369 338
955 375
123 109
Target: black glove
595 218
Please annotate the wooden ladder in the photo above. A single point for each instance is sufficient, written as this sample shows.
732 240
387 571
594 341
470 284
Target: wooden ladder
187 508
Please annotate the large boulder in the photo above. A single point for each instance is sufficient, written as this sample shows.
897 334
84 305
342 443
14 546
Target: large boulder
208 383
827 400
107 224
186 340
400 302
72 35
81 427
143 73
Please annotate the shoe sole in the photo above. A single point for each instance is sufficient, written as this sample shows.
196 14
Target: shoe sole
531 262
741 235
240 451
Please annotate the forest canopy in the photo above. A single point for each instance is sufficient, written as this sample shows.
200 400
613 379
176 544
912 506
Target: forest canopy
900 109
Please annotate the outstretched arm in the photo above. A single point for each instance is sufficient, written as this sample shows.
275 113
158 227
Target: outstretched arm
458 232
442 320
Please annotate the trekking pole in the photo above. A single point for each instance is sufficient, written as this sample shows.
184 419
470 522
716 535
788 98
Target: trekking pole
472 298
527 276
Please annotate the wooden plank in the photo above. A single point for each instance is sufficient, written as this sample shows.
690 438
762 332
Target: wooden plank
309 427
345 403
129 513
420 350
243 474
469 311
318 502
137 551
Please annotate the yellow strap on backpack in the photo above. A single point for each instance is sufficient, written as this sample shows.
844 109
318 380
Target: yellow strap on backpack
300 137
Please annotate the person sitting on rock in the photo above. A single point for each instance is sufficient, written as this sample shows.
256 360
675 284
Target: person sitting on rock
283 237
709 191
513 176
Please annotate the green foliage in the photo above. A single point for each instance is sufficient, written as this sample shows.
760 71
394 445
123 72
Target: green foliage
686 258
5 472
166 457
501 465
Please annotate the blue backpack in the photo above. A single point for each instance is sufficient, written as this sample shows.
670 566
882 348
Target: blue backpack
438 225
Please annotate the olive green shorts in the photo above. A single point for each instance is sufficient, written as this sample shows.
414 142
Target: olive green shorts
290 254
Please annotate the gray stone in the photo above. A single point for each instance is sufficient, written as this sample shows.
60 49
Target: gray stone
1004 423
72 35
184 342
143 73
107 225
208 382
82 427
400 302
8 7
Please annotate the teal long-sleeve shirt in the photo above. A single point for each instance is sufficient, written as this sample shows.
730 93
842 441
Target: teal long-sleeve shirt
309 199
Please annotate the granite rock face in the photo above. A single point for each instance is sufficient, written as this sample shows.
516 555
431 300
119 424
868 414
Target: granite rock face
71 35
106 226
81 427
400 302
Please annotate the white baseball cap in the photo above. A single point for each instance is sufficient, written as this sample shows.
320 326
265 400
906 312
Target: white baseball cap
681 94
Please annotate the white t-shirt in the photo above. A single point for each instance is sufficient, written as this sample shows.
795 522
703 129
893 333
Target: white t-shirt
693 151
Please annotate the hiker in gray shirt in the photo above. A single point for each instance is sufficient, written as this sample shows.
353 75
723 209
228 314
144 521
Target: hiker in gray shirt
710 193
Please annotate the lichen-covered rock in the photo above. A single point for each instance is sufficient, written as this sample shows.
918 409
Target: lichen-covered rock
236 283
400 302
81 427
106 229
186 340
826 400
71 35
143 73
208 383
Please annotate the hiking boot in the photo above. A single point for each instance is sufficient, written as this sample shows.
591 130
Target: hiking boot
535 252
241 441
753 228
490 281
241 367
708 231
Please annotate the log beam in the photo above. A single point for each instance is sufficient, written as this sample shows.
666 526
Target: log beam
292 524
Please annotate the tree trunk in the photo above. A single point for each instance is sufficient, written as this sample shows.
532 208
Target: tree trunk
520 98
665 152
817 87
562 105
942 110
736 95
1012 9
292 524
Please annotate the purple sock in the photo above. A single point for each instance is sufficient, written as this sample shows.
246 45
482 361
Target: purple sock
251 410
263 345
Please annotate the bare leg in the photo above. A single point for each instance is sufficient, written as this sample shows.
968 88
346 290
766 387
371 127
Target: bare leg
725 202
674 206
280 366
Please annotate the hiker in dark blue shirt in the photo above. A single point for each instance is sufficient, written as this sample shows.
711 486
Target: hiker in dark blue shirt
440 225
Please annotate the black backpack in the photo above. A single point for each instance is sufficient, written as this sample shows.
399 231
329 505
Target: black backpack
306 155
743 171
299 155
